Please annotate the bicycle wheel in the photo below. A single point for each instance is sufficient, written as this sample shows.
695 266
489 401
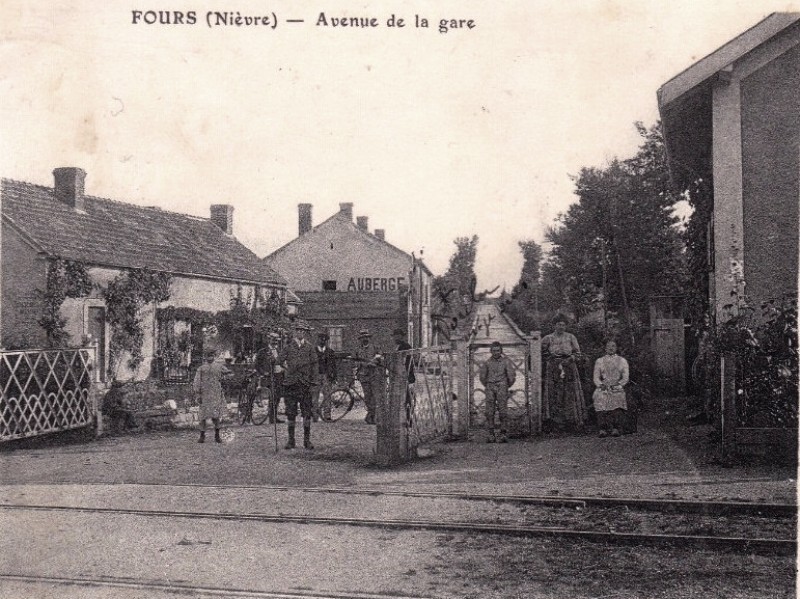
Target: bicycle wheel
261 406
341 403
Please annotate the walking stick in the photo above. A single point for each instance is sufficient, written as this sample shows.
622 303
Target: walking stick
274 407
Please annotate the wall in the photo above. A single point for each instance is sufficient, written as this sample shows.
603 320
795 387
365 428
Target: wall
201 294
739 169
338 250
24 272
770 171
380 313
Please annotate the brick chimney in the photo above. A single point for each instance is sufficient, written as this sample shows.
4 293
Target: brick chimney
363 223
69 186
304 218
222 216
380 234
346 210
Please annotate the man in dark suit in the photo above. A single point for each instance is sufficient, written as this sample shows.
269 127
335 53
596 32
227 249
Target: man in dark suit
399 337
326 358
300 361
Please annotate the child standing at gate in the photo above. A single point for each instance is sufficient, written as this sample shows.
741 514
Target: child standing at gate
208 390
497 375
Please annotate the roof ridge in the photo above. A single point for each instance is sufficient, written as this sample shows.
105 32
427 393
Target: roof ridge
110 200
353 225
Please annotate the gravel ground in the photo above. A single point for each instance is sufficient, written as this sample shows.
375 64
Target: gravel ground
666 459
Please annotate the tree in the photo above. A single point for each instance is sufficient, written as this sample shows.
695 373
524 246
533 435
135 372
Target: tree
619 243
527 289
454 292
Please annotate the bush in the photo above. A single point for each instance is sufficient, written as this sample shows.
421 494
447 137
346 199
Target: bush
765 348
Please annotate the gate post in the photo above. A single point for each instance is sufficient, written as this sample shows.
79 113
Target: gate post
392 436
461 389
728 406
535 379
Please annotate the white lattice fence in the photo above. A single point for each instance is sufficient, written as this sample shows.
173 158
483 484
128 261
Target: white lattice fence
45 391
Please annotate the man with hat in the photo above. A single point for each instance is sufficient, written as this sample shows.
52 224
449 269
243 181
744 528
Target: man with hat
271 373
399 338
326 358
301 372
370 372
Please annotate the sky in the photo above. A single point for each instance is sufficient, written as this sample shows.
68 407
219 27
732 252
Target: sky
431 135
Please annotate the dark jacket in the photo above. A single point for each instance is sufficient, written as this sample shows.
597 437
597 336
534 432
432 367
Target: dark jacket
301 364
327 362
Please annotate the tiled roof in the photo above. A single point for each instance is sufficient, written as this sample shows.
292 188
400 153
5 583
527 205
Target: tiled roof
116 234
338 305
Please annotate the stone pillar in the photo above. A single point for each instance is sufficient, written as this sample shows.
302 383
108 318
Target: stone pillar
461 388
392 437
535 380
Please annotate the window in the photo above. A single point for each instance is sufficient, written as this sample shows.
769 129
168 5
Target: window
335 338
329 285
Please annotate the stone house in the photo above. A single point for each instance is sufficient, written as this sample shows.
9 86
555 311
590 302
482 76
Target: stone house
349 278
732 122
208 266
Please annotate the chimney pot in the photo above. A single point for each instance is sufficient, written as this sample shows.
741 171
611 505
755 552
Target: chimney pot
69 186
222 216
346 210
380 234
363 223
304 218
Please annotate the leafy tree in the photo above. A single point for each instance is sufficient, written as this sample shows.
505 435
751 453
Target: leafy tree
619 243
454 292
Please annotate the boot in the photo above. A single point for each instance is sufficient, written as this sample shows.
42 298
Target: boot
290 442
307 438
216 436
202 438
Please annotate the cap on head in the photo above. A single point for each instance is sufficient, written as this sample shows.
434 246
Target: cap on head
364 333
301 325
560 318
399 332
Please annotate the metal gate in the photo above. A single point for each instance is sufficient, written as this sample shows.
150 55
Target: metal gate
45 391
524 351
418 406
521 412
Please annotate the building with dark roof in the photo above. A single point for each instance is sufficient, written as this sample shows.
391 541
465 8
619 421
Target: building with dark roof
208 265
349 278
732 126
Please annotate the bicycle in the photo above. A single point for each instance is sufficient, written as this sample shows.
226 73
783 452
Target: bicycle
255 399
345 394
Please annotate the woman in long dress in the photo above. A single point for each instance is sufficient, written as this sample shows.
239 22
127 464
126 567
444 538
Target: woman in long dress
610 377
563 405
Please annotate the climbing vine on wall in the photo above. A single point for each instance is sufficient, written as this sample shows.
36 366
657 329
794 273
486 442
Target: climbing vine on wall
65 278
125 296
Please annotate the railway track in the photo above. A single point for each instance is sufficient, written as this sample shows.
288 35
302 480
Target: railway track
185 589
720 543
708 508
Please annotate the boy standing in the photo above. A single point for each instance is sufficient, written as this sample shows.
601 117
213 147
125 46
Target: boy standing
497 375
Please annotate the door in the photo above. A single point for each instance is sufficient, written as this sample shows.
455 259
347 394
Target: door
97 329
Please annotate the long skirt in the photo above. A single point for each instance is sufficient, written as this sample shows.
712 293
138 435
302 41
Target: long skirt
563 402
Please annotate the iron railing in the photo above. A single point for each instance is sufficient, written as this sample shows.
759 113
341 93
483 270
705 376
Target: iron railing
429 398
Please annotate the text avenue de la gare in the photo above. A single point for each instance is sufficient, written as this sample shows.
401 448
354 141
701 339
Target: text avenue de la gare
229 18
